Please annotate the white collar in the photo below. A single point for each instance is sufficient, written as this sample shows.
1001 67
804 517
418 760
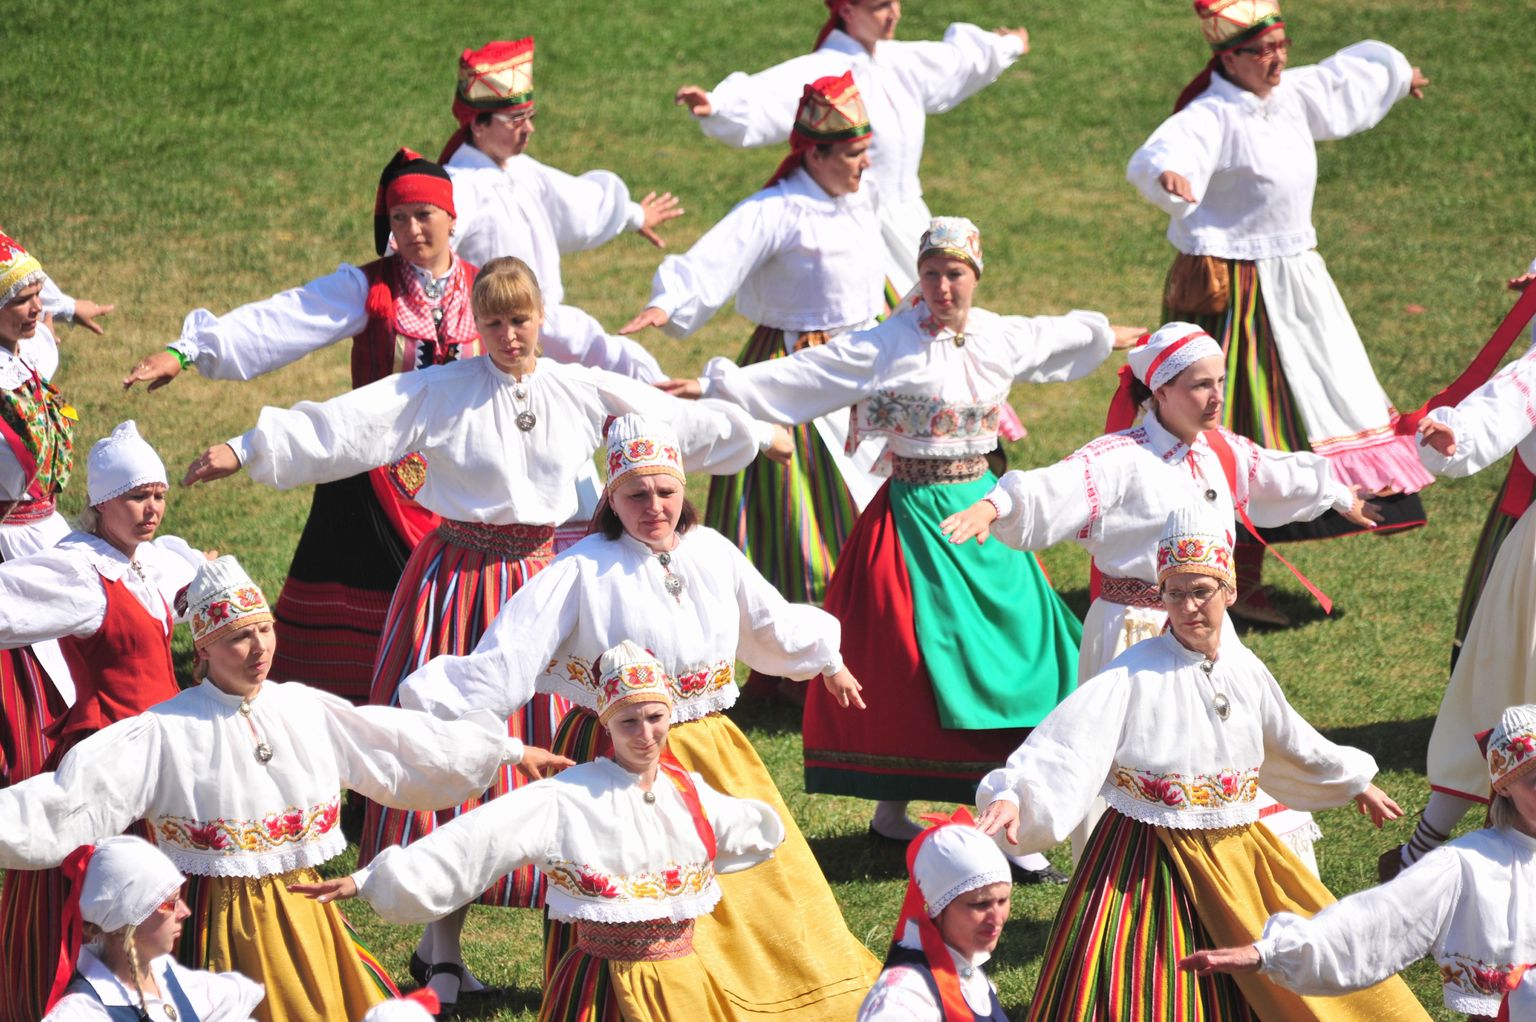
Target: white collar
841 42
1231 92
225 699
425 275
1167 446
112 991
16 368
965 966
107 559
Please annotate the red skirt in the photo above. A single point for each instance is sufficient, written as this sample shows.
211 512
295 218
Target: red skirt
28 705
455 584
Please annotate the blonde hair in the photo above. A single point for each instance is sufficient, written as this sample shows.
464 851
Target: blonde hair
506 287
128 932
1502 813
88 520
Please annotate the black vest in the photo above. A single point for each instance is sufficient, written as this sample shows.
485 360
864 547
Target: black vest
917 960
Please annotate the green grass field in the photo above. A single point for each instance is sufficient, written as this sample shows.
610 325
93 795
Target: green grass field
170 155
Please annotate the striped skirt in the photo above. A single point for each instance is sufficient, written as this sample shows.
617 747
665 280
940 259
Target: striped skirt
790 521
1144 897
588 988
1260 404
28 704
455 584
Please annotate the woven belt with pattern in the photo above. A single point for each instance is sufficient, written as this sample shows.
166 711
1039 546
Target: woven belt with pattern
26 512
519 541
1130 592
651 940
938 470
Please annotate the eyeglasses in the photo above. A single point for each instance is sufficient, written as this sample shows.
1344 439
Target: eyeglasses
1268 50
1178 597
514 120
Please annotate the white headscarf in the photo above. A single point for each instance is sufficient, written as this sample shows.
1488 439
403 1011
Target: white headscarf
119 463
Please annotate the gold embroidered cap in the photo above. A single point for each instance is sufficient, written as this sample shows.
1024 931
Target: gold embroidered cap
497 76
1227 24
1195 543
952 236
1512 746
223 597
627 674
831 110
19 269
639 446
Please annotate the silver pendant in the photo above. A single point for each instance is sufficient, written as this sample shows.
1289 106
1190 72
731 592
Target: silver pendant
263 753
1207 665
650 798
519 392
245 708
1210 495
1221 706
673 585
665 559
959 340
526 421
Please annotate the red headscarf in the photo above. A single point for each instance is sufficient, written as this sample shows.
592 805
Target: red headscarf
830 110
834 21
408 177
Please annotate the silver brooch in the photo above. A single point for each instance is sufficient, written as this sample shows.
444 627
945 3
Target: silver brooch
650 798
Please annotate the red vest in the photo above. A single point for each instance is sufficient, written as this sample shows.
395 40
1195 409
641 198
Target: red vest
122 670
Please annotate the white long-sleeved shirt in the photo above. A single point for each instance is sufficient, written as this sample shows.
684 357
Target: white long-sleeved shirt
901 993
189 767
1111 737
1252 163
1113 495
462 419
916 391
1498 417
58 592
1470 903
901 84
215 996
535 213
793 256
609 855
600 592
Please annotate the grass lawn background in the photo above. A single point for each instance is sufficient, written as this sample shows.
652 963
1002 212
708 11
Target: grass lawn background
166 156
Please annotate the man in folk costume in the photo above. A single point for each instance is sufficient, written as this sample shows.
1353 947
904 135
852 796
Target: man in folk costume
1235 169
796 257
407 310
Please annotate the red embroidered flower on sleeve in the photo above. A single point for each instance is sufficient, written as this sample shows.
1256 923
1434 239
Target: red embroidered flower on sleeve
596 884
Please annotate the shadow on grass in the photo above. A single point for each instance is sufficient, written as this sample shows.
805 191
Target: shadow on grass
1301 608
495 1002
1023 941
1396 744
769 714
855 858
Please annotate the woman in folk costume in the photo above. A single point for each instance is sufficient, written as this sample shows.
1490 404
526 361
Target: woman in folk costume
1113 495
240 782
129 895
1178 861
901 82
685 593
1497 663
407 310
958 894
506 435
36 458
1469 904
631 842
796 256
1235 168
968 645
105 594
512 205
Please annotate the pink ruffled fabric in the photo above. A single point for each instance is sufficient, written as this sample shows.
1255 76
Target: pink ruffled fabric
1009 426
1389 467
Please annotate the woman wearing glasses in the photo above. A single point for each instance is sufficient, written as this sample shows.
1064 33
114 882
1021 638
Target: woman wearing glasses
1235 168
1112 496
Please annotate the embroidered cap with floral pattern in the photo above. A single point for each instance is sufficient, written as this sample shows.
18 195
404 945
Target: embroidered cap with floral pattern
640 446
1511 747
221 598
629 674
952 236
18 269
1194 542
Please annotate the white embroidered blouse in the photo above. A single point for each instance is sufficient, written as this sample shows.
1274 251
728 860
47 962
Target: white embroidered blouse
793 256
189 767
1252 163
1498 417
901 84
919 392
1112 737
215 996
1469 903
1113 495
600 592
609 855
461 420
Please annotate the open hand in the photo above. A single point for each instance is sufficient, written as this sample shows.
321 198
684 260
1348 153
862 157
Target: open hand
86 313
327 891
216 462
1001 815
658 210
1227 959
1416 86
1362 512
1127 336
695 99
1373 802
1177 184
156 370
1439 436
845 688
649 316
688 390
538 763
975 520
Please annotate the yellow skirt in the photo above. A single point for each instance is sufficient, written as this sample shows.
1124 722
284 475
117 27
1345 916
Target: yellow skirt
776 944
299 948
1236 879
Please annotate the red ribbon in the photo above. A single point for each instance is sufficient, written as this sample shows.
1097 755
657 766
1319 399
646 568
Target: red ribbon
72 925
690 792
1510 982
427 998
913 909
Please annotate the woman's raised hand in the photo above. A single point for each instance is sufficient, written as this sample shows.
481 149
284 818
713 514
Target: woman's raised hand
658 210
156 370
216 462
975 520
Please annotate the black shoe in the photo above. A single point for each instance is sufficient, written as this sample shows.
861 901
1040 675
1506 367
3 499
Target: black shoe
454 970
1390 863
1048 875
419 969
878 836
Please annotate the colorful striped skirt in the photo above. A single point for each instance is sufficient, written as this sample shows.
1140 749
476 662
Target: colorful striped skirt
776 944
604 981
961 649
28 704
1143 897
1261 406
791 521
332 609
454 586
304 952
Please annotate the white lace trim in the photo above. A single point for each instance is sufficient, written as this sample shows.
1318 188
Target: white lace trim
683 711
251 864
1471 1003
1179 819
15 370
596 910
967 885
